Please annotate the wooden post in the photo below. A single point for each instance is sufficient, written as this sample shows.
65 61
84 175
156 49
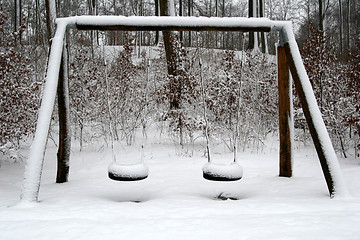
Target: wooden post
285 114
324 153
34 164
63 155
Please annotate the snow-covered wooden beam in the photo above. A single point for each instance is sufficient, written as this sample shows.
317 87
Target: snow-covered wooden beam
323 145
34 165
151 23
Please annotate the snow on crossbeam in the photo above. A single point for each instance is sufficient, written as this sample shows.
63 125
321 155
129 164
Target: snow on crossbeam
152 23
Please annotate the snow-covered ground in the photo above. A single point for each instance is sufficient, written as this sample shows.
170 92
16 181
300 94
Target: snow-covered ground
175 202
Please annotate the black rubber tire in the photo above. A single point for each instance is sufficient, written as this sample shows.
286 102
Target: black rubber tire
212 177
117 177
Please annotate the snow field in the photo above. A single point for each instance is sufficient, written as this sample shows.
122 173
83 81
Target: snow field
175 202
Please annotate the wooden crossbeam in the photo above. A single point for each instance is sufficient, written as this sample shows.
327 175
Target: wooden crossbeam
163 23
121 27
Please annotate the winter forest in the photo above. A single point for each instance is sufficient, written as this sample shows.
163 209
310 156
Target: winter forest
179 90
118 81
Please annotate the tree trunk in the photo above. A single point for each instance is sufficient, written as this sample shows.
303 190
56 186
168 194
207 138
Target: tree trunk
348 26
252 35
264 47
223 15
321 16
17 19
50 17
172 64
181 14
156 14
168 38
92 11
216 15
37 22
341 29
189 14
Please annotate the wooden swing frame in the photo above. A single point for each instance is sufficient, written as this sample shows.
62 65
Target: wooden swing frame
288 58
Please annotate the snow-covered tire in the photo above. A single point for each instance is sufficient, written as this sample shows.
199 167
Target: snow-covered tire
128 172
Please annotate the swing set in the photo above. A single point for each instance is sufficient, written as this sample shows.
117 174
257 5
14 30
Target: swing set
288 56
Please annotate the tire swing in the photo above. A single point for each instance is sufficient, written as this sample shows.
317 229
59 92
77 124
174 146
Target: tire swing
124 171
128 172
214 171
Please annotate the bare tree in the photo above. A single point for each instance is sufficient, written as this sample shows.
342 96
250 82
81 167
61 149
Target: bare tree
321 16
50 17
264 47
17 18
348 24
190 13
157 14
253 42
340 28
165 10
